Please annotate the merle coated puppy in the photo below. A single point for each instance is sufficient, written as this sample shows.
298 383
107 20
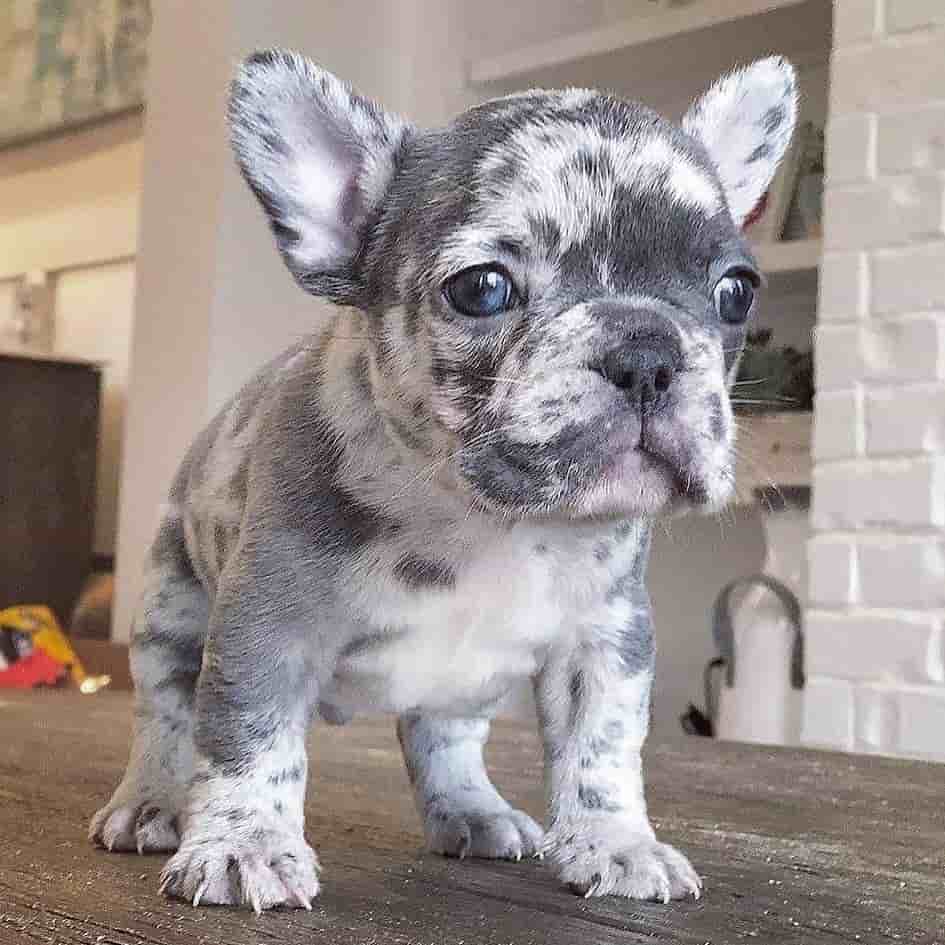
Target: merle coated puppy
452 486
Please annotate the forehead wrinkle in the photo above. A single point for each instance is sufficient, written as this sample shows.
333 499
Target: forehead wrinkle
551 180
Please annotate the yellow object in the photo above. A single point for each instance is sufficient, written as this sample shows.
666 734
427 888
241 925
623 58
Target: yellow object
40 623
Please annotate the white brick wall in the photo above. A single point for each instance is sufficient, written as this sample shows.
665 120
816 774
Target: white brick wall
838 425
904 15
912 138
908 280
887 212
862 644
901 571
902 493
876 613
904 419
838 273
921 721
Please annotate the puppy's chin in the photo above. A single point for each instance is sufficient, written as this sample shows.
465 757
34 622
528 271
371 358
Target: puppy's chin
618 478
640 483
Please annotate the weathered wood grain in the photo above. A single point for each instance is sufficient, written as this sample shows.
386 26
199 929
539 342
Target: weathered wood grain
798 848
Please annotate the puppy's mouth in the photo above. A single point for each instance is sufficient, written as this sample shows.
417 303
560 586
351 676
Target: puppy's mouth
646 473
614 467
642 461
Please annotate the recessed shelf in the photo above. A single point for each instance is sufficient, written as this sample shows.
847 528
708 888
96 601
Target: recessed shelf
774 449
664 56
788 256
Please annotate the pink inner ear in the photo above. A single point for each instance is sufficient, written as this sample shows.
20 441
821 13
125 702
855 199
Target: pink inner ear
757 212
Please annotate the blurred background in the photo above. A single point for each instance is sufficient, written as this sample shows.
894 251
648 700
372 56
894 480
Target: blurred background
140 286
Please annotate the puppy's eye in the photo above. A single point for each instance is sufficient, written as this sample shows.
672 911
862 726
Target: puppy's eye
481 291
734 293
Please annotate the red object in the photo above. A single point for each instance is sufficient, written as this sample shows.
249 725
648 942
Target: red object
36 669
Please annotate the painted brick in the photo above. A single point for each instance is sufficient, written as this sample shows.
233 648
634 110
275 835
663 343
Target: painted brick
838 361
899 571
851 149
904 420
838 425
876 718
912 140
828 714
853 494
903 351
922 722
875 650
853 21
902 15
832 577
886 213
867 646
843 292
874 77
908 280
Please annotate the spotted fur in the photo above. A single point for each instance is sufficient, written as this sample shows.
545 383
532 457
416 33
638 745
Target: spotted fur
414 509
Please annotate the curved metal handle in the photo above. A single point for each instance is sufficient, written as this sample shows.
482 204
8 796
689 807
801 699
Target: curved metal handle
724 632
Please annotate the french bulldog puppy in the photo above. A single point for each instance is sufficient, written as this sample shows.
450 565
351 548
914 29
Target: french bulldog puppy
451 487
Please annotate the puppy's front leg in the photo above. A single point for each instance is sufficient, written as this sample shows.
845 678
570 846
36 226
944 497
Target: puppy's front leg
463 814
593 705
243 837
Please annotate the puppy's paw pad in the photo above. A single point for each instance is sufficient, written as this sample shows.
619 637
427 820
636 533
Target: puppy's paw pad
494 835
148 827
636 869
266 871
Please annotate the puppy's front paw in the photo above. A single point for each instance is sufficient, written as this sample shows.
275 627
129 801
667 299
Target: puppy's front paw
605 862
145 826
261 869
492 834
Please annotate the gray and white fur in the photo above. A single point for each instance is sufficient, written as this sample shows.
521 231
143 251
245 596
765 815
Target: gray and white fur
423 504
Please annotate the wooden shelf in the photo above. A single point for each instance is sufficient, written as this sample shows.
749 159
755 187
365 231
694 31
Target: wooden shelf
665 56
773 449
788 256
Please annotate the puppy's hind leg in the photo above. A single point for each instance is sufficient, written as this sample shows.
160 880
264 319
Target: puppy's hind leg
462 812
166 652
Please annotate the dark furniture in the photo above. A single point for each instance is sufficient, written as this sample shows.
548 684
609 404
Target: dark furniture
48 438
797 848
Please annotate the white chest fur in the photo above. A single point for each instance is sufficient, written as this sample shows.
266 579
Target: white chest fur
458 649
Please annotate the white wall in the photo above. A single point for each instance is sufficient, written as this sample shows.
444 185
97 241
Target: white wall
68 206
93 320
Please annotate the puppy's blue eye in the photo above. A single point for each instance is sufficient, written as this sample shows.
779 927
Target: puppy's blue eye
481 291
734 293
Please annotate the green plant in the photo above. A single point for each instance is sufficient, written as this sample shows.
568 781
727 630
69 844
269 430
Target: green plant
773 378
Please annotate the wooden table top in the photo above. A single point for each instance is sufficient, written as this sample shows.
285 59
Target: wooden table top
795 847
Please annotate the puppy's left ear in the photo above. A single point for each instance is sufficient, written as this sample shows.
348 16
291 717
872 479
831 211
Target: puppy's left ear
319 157
745 122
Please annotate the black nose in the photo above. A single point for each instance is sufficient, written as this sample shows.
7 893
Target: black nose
644 368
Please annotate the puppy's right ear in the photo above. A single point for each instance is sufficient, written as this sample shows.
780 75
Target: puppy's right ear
319 157
745 122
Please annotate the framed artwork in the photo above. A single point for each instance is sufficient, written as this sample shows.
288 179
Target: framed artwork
65 63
